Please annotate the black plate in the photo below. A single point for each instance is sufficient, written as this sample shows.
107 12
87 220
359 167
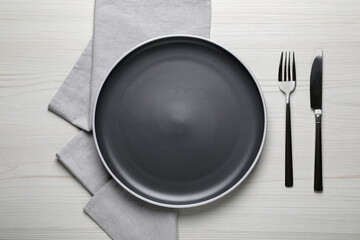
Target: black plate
179 121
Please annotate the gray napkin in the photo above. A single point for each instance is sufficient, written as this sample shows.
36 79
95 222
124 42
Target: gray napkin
122 216
79 156
118 213
118 26
72 100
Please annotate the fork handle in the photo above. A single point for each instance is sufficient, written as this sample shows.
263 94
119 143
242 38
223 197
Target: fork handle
318 185
288 150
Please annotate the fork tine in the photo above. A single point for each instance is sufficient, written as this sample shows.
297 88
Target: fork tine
289 72
285 67
294 68
280 67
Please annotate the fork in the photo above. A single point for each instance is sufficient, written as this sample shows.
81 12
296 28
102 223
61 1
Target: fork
287 84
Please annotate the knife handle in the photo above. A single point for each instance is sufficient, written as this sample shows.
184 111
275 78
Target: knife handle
318 185
288 149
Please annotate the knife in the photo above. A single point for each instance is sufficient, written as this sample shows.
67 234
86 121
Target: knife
316 105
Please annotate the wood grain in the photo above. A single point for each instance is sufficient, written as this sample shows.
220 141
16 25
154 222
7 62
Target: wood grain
40 41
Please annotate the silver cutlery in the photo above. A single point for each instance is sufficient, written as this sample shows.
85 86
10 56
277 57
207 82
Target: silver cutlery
287 84
316 105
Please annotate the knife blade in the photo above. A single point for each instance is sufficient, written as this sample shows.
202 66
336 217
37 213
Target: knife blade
316 81
316 104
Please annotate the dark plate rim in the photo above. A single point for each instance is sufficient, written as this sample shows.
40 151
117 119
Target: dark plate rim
200 203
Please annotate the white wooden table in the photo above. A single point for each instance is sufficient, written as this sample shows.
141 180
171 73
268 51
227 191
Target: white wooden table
40 41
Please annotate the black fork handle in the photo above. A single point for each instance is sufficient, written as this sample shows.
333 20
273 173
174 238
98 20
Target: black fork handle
288 150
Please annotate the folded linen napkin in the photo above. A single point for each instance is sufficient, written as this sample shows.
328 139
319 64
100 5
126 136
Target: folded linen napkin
123 216
118 26
118 213
72 100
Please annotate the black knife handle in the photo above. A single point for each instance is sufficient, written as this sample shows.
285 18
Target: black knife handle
318 185
288 150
